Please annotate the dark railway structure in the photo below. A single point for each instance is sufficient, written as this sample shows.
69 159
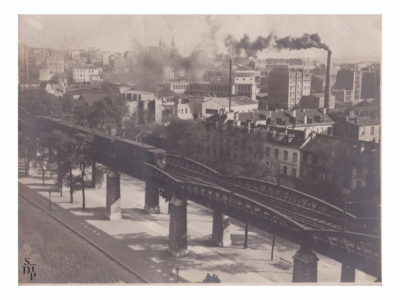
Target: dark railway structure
314 224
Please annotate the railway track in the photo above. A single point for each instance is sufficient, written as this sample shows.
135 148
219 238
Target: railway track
303 218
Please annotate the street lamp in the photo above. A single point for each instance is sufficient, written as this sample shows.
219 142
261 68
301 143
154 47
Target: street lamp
177 274
344 213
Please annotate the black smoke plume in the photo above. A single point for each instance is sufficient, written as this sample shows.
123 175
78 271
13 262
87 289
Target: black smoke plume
251 48
305 42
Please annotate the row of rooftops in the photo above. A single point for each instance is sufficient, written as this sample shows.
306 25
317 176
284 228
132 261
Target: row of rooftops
278 136
334 146
297 117
319 144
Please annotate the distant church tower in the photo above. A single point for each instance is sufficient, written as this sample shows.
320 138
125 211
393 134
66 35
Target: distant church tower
172 42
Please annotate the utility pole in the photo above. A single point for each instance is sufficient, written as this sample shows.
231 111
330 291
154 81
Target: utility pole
273 246
246 228
230 83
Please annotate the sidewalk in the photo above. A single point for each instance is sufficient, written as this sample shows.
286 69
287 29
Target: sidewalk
140 239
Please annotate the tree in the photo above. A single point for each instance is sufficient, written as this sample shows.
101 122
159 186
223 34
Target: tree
39 102
82 143
45 157
72 152
182 135
107 115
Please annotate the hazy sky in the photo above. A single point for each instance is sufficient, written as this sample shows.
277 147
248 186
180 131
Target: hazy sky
346 35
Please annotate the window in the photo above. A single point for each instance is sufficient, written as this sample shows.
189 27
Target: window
362 131
285 155
294 157
284 170
372 130
294 172
276 153
211 111
267 152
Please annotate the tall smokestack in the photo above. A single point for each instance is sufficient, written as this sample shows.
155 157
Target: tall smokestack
230 83
328 80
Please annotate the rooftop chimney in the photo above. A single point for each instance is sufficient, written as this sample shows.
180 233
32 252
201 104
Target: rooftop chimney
328 80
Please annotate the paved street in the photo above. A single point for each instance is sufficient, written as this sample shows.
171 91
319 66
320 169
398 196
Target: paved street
139 241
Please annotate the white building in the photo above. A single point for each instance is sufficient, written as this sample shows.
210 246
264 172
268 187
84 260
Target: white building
57 88
189 107
169 73
87 74
179 87
245 83
217 105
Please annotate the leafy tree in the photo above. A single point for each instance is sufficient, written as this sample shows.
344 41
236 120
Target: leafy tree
72 153
182 136
107 115
39 102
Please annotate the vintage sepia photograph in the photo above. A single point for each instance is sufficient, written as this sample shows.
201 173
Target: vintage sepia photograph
199 149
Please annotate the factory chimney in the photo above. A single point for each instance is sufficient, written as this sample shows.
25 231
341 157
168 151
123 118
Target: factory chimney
328 80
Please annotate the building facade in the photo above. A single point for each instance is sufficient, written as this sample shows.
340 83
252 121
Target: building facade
218 105
87 74
245 83
287 84
334 168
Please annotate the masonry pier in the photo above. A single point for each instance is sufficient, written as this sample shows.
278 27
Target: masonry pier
348 273
151 198
113 196
221 235
178 226
305 265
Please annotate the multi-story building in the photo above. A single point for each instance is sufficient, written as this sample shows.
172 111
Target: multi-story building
245 83
348 81
189 107
370 87
287 84
359 128
218 89
333 167
272 155
87 74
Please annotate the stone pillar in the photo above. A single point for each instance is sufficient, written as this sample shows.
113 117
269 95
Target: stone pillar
177 226
221 235
305 266
113 204
151 198
348 273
